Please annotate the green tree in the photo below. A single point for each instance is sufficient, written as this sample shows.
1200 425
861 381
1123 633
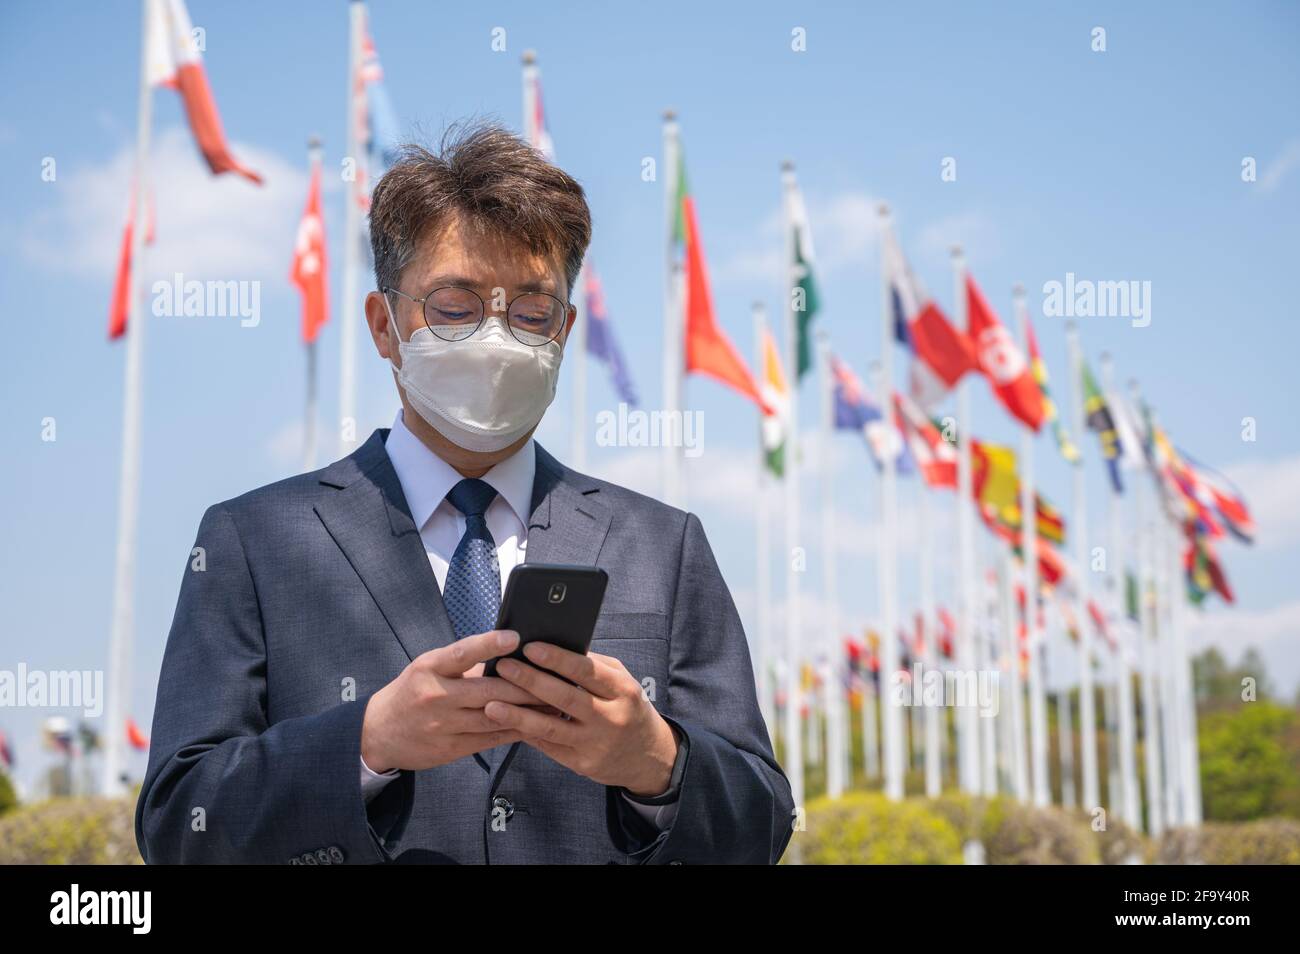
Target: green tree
1250 762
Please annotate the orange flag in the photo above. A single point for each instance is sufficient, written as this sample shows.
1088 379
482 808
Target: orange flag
308 271
1002 361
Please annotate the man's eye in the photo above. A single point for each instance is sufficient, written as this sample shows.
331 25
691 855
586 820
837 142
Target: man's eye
445 315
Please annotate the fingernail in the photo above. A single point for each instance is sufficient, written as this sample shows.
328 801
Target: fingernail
507 638
535 651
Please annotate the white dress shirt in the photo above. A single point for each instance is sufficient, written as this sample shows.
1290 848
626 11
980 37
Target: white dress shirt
426 480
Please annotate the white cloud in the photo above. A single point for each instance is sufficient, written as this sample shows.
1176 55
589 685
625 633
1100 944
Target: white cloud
219 227
1281 167
1272 491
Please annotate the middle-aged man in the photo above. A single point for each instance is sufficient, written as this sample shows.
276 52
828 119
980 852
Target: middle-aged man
322 697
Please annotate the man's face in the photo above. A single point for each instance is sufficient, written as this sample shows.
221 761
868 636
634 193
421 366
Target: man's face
492 265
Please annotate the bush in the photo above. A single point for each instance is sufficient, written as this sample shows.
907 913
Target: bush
1272 841
8 797
1016 834
1250 765
85 831
865 828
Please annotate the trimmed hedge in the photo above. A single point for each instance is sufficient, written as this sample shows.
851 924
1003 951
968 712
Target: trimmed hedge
79 831
865 828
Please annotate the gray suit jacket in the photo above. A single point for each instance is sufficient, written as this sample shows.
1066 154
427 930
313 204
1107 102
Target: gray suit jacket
316 591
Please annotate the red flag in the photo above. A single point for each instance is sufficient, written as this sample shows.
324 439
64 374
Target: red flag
119 306
1002 361
944 349
137 739
175 61
708 350
309 267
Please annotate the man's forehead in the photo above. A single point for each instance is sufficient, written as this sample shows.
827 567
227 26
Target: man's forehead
483 258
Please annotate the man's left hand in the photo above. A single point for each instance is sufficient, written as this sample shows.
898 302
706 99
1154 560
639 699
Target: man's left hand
613 735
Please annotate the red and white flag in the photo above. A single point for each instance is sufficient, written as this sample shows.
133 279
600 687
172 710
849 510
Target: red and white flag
175 60
309 268
1002 361
119 306
935 457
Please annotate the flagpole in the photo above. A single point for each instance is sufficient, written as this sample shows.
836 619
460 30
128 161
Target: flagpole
128 499
1042 793
673 360
833 687
1013 725
1064 712
1130 795
968 742
352 229
1087 715
793 741
887 556
984 662
925 531
1188 761
310 411
764 547
1146 634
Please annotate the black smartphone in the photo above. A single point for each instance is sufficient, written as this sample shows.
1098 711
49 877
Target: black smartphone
551 603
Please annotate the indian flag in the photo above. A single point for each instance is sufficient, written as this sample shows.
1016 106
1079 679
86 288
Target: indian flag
776 395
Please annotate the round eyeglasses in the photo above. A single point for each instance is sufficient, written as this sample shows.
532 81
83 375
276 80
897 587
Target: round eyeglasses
454 313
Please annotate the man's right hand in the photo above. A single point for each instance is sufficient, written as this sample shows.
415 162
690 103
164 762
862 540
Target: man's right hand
432 713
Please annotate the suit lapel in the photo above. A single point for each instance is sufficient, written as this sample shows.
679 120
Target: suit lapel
370 521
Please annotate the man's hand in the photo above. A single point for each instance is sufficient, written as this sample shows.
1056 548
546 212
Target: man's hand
432 713
613 734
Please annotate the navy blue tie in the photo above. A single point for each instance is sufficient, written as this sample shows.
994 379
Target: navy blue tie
473 589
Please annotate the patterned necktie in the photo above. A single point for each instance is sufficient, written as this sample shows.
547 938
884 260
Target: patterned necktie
473 589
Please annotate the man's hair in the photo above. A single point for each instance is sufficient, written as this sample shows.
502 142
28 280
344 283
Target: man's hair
488 178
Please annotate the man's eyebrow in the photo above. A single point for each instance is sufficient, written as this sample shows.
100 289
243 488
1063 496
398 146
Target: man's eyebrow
441 281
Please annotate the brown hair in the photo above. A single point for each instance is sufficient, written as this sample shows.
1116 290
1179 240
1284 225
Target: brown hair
489 177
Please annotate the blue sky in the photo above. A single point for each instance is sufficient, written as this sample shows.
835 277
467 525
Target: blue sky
1115 165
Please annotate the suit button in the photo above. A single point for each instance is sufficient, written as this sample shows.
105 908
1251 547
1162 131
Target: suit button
503 805
336 854
323 857
675 862
295 861
309 858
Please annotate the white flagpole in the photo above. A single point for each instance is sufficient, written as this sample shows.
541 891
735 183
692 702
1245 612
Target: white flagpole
986 657
1012 717
870 729
1188 761
833 685
968 738
1130 795
1042 793
1146 636
128 493
673 345
794 743
887 556
311 411
1087 715
766 691
1064 708
353 193
933 714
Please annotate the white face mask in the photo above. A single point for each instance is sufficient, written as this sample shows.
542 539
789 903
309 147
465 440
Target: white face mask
482 393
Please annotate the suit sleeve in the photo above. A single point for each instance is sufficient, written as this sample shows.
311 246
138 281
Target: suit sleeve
224 786
735 805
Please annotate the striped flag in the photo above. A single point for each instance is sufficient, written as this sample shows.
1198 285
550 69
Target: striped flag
119 307
806 300
774 426
174 60
1050 412
1098 418
935 457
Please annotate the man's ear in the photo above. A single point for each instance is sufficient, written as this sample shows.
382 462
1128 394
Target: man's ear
379 322
568 322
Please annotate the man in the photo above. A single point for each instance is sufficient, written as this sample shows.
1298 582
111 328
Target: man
322 697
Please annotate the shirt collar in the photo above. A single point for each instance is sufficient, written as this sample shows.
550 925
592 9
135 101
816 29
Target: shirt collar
426 478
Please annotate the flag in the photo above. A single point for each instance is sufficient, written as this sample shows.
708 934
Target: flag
309 267
1098 418
174 60
376 123
941 354
708 350
1051 413
935 457
539 137
993 471
1001 360
601 343
119 306
1204 574
803 293
774 426
134 737
1214 490
947 632
1050 525
856 411
1131 600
